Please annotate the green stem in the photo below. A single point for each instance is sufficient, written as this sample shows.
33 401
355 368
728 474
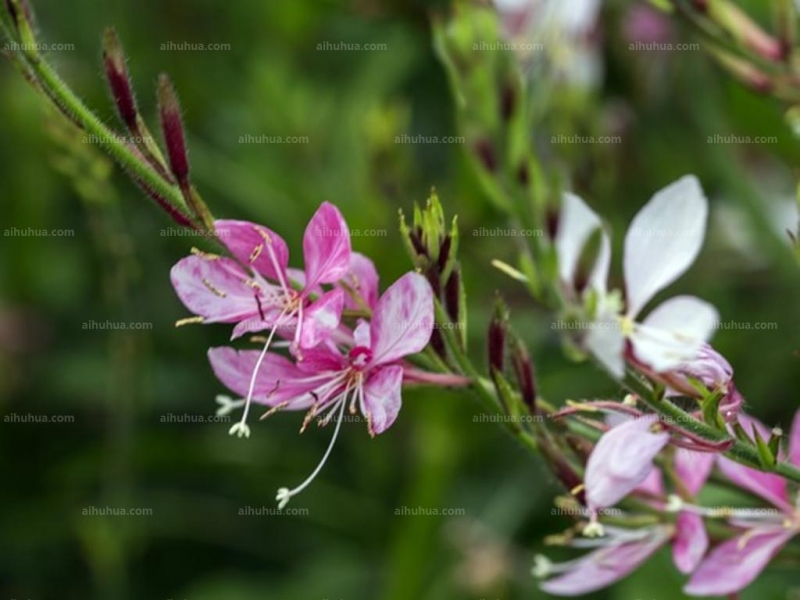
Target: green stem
739 452
60 93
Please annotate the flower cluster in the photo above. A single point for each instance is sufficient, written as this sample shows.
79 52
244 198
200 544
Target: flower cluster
329 365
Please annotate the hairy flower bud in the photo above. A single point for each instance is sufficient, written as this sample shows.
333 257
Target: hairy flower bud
118 79
172 127
523 368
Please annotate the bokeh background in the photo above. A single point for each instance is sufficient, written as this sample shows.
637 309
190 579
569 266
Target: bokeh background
132 398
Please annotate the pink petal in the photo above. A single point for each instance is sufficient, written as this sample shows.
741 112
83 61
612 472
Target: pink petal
693 468
321 359
382 398
734 564
794 441
603 567
690 543
250 244
278 380
402 322
326 246
361 335
214 289
768 486
663 240
363 278
674 333
321 318
621 460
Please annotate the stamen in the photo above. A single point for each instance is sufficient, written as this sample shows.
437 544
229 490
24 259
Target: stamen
189 321
285 494
214 290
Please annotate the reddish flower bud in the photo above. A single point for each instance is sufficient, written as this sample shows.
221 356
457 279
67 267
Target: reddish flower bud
452 295
485 152
172 127
523 368
497 339
118 79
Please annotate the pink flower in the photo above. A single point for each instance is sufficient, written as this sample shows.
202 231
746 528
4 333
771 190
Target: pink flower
219 290
325 381
735 563
661 243
622 551
621 461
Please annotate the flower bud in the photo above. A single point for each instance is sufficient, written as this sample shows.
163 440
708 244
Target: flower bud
118 79
172 127
496 337
486 155
523 368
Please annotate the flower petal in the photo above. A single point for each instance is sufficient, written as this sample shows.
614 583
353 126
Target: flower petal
693 468
278 379
734 564
255 245
382 398
607 344
690 543
794 441
576 224
321 318
603 567
674 333
621 460
214 289
363 279
402 322
768 486
663 240
326 246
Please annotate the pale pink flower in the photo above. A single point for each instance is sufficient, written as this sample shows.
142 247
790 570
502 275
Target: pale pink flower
661 243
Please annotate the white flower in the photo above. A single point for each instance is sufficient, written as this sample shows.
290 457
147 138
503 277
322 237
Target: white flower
662 242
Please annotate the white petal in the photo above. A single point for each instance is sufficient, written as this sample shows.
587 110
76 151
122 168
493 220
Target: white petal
576 223
663 240
674 332
606 342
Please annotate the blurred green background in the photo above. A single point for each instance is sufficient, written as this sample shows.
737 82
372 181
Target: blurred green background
124 391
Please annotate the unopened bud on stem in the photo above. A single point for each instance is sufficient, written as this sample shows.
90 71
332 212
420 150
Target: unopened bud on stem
172 127
118 79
